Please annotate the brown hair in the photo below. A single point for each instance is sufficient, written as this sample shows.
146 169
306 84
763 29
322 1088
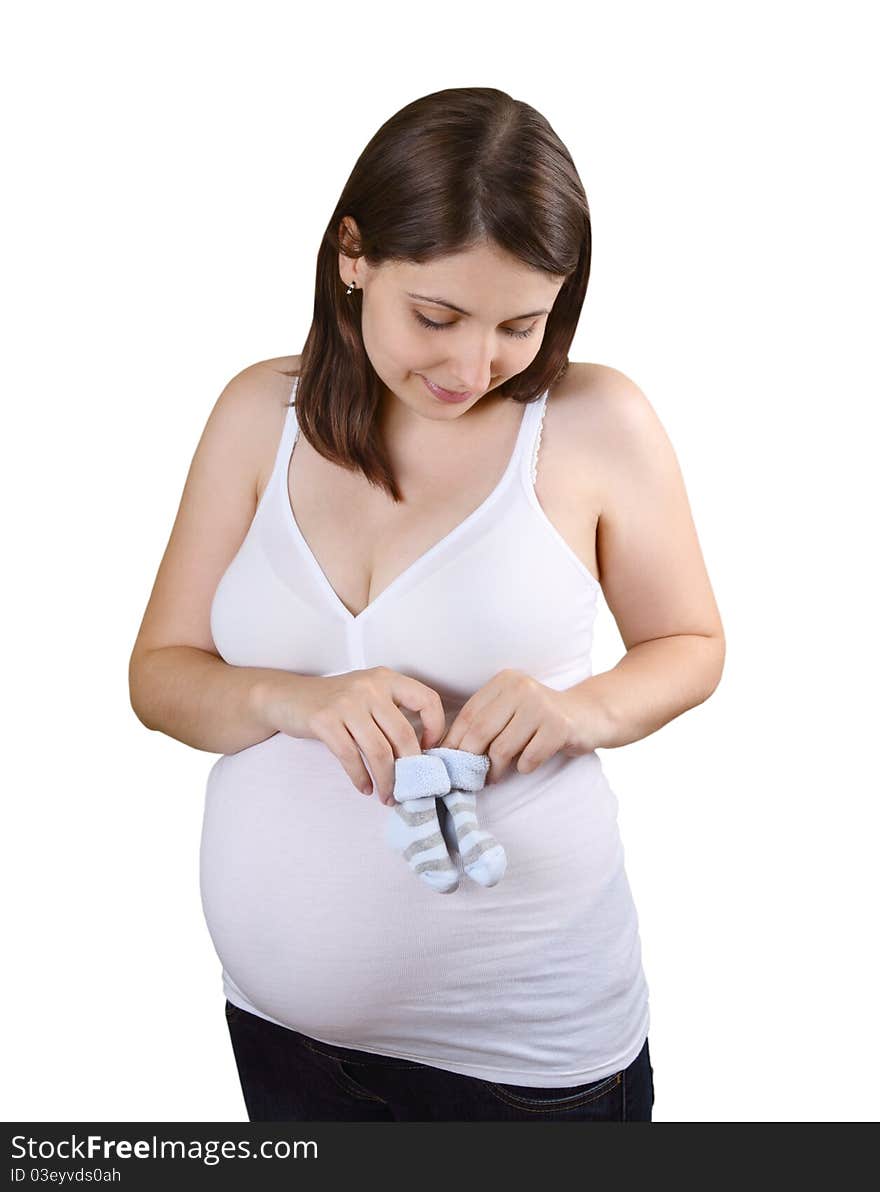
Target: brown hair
451 170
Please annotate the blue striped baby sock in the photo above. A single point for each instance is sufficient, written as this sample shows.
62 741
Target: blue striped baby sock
413 828
484 859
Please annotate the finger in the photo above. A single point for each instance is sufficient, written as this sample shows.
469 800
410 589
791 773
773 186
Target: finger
398 731
509 732
403 741
377 751
489 714
340 742
454 735
465 732
418 697
452 738
534 753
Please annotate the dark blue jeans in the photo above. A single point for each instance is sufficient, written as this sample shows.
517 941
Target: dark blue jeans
289 1077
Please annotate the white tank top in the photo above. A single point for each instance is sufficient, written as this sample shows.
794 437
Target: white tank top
319 925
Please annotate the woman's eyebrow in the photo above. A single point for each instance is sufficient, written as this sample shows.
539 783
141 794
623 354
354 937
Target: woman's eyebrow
452 306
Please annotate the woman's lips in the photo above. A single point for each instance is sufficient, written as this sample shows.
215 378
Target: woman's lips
444 394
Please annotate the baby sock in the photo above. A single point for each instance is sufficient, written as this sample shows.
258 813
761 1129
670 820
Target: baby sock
484 859
413 828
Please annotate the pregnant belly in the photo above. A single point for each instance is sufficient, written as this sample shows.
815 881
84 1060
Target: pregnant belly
323 927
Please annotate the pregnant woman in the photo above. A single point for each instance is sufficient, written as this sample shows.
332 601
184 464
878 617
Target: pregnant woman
388 552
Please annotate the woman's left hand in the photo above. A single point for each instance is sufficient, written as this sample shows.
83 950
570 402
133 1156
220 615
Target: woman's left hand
515 715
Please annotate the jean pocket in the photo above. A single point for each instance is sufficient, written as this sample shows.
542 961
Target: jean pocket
536 1099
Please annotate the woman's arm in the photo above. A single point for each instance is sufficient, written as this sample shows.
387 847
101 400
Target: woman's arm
178 684
197 698
653 577
654 682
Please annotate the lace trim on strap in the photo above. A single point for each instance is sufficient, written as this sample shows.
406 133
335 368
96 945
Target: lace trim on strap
537 446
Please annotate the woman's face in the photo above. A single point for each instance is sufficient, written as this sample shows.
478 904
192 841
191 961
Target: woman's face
494 334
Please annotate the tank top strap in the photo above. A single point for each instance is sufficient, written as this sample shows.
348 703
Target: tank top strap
285 445
534 424
290 425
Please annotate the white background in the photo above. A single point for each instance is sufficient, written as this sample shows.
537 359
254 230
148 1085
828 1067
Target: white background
170 168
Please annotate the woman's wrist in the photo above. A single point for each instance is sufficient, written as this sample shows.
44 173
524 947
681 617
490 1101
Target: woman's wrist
266 694
590 723
276 699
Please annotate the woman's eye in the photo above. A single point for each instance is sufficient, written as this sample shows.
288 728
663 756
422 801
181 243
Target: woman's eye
439 327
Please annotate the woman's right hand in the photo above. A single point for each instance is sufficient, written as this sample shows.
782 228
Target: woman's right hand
356 713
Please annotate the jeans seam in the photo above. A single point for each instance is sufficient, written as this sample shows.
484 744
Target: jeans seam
576 1101
366 1063
353 1088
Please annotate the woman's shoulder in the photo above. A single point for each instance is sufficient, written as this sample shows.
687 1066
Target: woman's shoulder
276 374
283 364
595 390
264 391
600 406
266 382
603 427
